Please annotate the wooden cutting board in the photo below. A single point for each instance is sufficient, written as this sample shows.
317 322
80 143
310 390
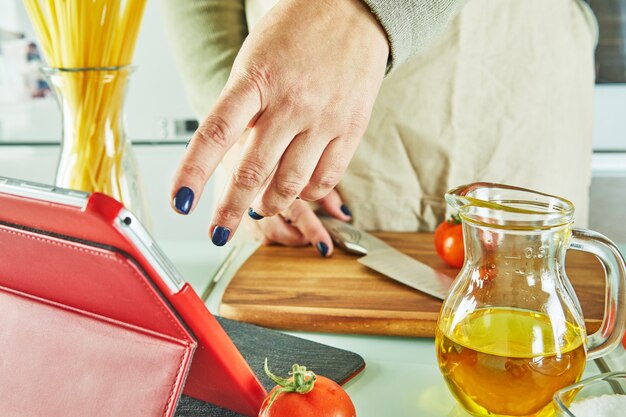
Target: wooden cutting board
295 289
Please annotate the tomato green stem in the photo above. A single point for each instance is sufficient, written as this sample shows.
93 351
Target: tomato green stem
302 381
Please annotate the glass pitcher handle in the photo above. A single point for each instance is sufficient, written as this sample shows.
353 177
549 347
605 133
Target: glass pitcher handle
614 322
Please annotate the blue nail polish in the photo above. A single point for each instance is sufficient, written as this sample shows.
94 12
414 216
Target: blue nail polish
254 214
345 210
220 235
322 248
183 200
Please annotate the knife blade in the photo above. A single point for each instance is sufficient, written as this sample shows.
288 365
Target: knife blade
390 262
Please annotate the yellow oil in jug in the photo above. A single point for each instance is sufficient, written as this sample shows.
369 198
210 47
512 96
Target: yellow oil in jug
508 362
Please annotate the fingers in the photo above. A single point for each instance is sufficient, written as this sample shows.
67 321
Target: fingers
276 230
292 174
263 150
302 216
330 168
334 206
238 104
297 226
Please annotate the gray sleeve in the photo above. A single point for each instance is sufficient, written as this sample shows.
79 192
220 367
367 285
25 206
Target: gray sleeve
411 25
206 36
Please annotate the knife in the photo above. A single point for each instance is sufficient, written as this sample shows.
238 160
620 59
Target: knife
390 262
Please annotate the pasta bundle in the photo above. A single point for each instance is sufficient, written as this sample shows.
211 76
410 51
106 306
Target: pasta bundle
88 46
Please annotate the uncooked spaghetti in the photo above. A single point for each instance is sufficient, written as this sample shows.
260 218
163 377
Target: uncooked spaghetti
88 45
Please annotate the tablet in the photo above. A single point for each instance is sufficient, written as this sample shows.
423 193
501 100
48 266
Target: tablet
78 246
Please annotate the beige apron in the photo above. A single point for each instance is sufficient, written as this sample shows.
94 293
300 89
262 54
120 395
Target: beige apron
504 96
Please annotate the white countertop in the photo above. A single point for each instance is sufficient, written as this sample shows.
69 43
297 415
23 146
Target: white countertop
401 377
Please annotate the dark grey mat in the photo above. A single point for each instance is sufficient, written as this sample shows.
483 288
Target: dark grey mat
256 343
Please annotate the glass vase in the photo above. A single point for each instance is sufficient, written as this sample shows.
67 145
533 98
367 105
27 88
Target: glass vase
96 155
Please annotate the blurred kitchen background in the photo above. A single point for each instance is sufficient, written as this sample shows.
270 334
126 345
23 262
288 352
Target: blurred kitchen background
158 118
160 121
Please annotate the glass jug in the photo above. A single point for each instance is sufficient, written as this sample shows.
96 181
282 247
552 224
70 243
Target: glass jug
511 331
96 154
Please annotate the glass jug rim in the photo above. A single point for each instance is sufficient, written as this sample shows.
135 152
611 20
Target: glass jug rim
508 206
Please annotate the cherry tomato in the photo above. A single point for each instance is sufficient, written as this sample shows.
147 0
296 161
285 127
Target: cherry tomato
306 395
439 234
449 242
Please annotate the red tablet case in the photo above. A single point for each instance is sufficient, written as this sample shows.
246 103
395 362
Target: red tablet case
88 328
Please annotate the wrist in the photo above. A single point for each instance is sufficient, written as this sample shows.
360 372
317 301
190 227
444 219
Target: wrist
360 17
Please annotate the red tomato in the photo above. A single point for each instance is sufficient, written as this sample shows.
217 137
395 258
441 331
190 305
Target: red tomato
439 234
449 242
320 398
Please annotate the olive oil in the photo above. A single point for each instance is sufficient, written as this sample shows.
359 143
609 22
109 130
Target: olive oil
508 362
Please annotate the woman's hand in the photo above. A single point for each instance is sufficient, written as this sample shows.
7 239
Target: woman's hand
304 82
298 225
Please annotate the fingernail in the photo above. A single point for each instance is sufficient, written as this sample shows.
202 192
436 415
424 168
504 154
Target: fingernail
345 210
322 248
254 214
220 235
183 200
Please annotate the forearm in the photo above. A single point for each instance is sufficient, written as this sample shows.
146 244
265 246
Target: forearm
206 36
412 25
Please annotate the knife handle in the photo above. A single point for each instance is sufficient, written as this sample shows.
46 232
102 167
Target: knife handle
344 235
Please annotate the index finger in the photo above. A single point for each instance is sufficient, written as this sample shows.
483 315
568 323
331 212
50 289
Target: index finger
226 121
